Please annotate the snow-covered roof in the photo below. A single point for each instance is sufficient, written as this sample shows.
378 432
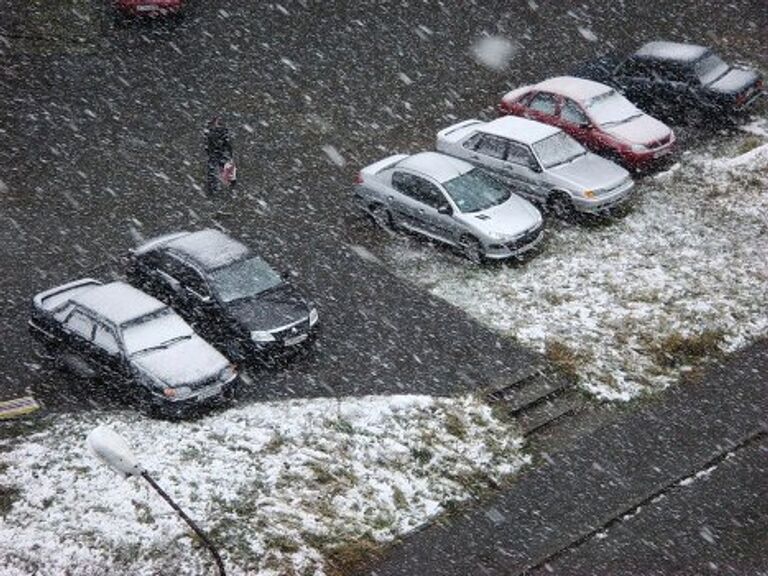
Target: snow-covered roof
118 302
438 166
208 248
671 51
577 89
518 129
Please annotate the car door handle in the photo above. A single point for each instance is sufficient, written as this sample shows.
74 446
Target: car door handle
390 198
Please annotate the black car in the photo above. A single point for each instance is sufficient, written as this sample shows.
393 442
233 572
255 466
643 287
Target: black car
679 82
230 294
125 337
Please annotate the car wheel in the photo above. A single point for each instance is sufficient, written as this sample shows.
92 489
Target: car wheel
472 249
382 217
77 366
561 206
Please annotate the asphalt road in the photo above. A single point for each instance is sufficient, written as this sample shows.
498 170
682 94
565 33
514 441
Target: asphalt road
101 144
676 487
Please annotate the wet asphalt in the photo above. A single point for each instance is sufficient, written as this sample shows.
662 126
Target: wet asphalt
102 144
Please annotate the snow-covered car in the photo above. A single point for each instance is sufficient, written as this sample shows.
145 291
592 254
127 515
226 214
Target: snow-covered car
148 8
543 162
117 333
230 293
452 201
597 116
680 81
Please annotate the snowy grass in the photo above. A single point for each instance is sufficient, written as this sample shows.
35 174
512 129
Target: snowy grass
630 304
281 487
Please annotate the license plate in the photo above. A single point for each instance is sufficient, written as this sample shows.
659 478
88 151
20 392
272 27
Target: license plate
295 340
208 392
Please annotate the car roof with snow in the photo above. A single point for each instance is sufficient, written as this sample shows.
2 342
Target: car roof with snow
577 89
209 248
518 129
435 165
671 51
117 302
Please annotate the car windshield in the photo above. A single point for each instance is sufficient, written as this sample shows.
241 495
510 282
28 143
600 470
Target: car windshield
243 279
611 108
155 331
710 68
558 149
476 190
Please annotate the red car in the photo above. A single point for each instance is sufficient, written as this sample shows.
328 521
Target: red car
597 116
149 8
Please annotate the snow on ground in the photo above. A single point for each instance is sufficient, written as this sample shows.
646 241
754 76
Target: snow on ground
631 303
279 486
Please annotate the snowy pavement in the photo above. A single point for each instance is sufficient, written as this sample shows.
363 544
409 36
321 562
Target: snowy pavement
629 305
280 486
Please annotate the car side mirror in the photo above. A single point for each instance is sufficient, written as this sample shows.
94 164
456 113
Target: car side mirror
445 209
586 125
535 166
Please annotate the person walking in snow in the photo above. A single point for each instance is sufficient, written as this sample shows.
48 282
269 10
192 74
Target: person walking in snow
218 147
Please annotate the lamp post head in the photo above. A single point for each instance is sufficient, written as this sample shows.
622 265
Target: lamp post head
109 447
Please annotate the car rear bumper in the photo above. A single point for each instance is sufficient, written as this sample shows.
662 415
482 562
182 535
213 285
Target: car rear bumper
643 160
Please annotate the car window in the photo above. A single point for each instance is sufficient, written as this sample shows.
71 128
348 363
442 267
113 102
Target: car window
62 314
670 71
544 103
244 279
558 149
105 339
710 68
633 69
419 189
80 324
428 193
521 154
191 278
476 190
171 265
611 109
492 146
472 142
572 113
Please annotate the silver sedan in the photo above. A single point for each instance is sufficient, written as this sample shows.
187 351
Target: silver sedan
452 201
548 166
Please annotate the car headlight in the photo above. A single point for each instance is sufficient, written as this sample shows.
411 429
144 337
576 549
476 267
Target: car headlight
262 336
228 373
588 194
639 148
313 317
178 393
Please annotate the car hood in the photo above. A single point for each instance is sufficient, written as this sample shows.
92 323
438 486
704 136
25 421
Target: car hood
269 310
590 172
511 218
184 363
641 130
733 81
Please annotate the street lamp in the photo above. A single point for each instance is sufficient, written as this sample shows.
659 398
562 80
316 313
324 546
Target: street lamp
109 447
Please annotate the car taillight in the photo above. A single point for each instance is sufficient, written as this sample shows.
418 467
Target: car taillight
359 178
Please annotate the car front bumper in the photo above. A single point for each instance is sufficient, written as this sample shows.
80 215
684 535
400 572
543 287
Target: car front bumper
515 248
605 202
202 400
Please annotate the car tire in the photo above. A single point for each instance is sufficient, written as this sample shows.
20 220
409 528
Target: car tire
382 217
472 249
77 366
561 206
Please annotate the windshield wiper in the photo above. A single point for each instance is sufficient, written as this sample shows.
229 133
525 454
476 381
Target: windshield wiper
165 344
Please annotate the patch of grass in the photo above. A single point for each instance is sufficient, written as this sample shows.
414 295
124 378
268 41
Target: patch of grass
422 455
8 495
283 543
346 559
563 357
275 444
143 512
677 349
750 143
401 502
341 425
455 426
